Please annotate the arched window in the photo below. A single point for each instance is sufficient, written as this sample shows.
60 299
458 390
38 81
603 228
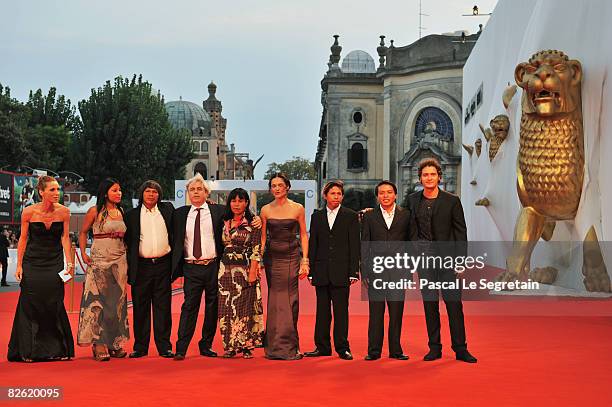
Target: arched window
357 157
433 121
196 146
200 168
205 146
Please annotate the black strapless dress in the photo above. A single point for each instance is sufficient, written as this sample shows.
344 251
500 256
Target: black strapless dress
282 263
41 329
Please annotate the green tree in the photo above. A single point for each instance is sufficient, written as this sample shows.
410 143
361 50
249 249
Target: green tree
296 168
52 122
52 110
13 123
126 135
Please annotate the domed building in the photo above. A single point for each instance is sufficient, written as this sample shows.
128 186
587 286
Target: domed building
378 122
213 159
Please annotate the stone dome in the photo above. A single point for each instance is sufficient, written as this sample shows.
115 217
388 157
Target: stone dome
186 115
358 62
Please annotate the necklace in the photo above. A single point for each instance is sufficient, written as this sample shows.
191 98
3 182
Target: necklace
110 213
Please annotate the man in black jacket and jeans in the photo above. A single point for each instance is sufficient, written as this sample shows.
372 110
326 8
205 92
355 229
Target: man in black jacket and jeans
437 216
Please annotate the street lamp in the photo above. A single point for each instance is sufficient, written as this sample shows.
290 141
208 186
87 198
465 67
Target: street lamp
74 176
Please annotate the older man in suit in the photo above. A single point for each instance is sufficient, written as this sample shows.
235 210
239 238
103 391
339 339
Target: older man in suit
196 255
148 239
333 251
437 216
197 252
386 223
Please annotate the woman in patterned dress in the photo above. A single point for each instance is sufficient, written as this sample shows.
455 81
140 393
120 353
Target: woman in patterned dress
103 319
240 305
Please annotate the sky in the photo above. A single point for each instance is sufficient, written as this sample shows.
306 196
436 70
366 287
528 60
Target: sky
267 57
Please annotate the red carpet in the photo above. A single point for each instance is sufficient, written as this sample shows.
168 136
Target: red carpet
530 352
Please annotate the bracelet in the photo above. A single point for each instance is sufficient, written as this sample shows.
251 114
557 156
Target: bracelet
69 265
305 260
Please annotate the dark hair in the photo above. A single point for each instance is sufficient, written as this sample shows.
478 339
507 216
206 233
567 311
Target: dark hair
149 184
385 182
331 184
281 176
430 162
103 188
43 181
240 194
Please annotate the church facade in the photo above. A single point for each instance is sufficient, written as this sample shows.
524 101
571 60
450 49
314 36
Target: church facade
378 122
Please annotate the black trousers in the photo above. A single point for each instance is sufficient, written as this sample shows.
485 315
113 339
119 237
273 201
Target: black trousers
198 279
376 327
329 296
153 289
454 309
4 262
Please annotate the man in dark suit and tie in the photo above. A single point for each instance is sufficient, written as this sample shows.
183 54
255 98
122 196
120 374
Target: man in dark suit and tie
386 223
333 251
149 240
437 216
197 251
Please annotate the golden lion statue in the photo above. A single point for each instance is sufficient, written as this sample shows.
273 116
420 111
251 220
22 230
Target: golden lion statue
550 167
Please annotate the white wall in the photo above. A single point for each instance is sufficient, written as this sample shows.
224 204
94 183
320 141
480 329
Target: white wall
516 30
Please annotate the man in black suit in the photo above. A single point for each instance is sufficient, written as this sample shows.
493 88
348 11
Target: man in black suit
333 251
4 254
196 255
386 223
437 216
149 240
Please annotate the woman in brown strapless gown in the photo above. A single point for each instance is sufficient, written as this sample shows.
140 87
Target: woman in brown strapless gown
283 220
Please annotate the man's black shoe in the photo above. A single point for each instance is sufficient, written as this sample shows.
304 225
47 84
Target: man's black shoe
167 354
179 356
372 357
137 354
208 353
466 356
432 355
399 356
316 353
346 355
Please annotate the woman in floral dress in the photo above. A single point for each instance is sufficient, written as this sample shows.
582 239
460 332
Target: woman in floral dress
240 305
103 322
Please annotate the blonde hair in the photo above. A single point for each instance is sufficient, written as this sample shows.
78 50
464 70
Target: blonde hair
198 178
43 182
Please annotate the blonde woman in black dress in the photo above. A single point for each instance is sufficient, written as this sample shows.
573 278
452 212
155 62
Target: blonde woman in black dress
41 329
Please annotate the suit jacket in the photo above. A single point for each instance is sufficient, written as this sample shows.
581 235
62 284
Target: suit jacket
179 225
334 254
447 223
374 229
132 235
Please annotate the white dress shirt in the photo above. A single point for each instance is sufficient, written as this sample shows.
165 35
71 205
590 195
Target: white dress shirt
206 232
331 216
153 234
388 216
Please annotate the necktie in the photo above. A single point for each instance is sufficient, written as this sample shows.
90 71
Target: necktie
197 237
